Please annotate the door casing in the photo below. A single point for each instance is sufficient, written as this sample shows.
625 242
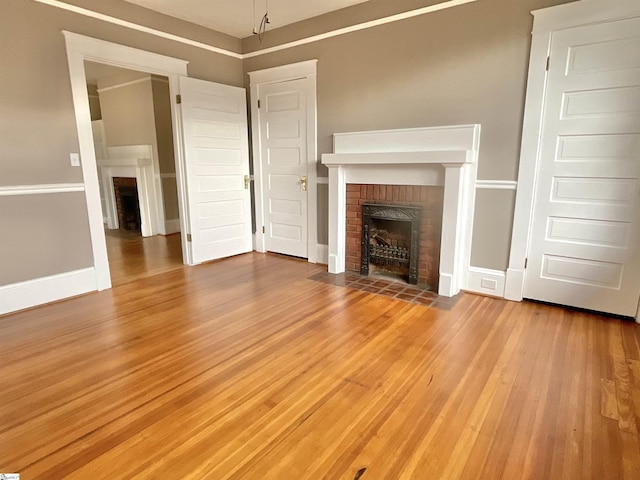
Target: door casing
303 70
79 49
546 21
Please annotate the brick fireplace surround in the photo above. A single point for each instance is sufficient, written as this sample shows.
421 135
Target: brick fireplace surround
443 157
429 198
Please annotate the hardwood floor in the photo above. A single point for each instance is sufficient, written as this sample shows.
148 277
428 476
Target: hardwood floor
132 257
248 368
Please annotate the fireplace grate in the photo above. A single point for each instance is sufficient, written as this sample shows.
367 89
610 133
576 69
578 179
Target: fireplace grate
388 256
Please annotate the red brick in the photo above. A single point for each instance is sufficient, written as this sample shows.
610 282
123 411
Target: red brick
408 194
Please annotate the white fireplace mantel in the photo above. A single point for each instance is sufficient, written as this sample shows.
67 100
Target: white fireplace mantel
438 156
131 161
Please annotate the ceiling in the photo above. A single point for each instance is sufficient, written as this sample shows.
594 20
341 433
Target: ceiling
235 17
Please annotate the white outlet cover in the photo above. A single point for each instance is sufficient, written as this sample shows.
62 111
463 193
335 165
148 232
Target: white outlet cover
75 159
489 284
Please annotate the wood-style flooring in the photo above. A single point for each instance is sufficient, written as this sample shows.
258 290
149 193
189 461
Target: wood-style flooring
248 368
132 257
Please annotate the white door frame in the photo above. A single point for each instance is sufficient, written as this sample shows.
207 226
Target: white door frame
303 70
545 22
79 49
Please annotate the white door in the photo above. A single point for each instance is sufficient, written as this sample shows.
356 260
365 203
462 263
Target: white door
214 124
283 152
584 245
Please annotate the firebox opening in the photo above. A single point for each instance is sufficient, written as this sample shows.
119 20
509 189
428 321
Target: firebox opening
390 241
127 204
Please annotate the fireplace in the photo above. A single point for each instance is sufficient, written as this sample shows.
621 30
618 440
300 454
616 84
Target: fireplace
390 240
432 156
127 204
429 200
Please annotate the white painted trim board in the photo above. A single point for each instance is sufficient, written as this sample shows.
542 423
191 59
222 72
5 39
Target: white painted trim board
241 56
21 295
40 189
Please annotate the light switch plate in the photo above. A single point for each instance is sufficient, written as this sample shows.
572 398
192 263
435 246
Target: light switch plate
75 159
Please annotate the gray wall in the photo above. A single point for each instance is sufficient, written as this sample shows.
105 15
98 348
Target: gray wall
463 65
38 130
164 137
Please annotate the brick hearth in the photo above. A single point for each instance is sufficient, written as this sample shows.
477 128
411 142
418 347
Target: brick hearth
429 198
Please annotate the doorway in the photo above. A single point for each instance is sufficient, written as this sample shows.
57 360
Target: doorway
79 49
283 121
209 124
133 143
576 232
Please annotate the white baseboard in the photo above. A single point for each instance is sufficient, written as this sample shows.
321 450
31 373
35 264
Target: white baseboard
486 281
171 226
322 254
18 296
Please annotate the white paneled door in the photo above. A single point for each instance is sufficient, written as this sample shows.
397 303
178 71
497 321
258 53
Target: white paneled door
283 151
214 123
585 242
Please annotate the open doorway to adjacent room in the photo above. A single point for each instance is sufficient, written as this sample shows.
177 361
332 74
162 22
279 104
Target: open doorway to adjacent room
133 141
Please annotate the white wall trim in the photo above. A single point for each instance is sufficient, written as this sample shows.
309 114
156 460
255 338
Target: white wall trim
124 84
283 73
360 26
314 38
302 70
39 189
545 22
486 281
79 49
497 184
138 27
18 296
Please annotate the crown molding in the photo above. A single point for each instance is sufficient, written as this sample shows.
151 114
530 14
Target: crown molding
242 56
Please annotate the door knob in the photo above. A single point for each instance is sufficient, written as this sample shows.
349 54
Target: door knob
247 182
303 183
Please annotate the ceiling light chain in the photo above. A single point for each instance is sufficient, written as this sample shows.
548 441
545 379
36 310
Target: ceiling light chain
260 31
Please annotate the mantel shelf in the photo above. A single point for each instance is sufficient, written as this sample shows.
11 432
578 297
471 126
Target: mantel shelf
398 158
124 162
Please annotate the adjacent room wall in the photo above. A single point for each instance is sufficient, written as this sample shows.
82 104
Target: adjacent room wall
37 123
94 102
164 137
463 65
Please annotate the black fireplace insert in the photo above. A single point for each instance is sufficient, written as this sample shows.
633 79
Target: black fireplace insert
391 240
